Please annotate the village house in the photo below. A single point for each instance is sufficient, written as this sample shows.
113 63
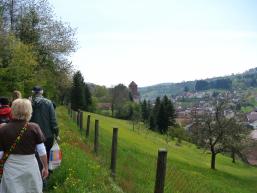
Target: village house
104 106
252 117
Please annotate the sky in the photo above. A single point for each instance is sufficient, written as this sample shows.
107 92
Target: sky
151 42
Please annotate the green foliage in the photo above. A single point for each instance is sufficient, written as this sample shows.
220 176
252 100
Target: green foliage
160 90
177 132
216 132
119 98
163 115
80 95
101 93
17 64
201 85
146 110
34 49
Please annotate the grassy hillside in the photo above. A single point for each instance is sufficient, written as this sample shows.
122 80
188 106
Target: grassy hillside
79 171
188 167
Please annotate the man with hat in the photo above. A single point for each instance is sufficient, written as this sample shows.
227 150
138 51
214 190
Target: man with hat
44 115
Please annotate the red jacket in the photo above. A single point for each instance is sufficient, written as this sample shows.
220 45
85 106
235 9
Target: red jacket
5 112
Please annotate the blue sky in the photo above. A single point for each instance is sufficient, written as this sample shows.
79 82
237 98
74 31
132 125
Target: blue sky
160 41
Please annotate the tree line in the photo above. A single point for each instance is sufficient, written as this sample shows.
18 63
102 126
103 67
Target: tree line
223 83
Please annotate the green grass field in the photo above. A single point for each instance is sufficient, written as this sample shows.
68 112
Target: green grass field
79 172
188 168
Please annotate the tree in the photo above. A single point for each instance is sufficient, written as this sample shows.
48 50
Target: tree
145 109
101 93
17 64
176 131
135 116
201 85
77 92
119 96
48 41
186 89
165 116
88 98
238 140
213 130
154 114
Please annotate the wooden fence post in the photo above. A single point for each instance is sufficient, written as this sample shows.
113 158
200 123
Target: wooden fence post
161 171
78 118
96 141
114 152
74 116
81 121
71 113
88 126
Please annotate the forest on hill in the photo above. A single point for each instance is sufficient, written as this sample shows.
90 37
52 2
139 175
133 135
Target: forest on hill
233 82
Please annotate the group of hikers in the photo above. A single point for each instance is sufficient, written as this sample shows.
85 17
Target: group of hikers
28 128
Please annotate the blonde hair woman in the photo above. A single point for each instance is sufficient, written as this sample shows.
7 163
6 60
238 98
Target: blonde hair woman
18 141
16 95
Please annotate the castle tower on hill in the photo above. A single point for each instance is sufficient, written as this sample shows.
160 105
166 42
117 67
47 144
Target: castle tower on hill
134 91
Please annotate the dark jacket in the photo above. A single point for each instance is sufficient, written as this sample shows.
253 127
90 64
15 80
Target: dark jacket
44 115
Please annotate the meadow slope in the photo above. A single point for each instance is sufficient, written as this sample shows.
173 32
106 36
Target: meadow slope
188 168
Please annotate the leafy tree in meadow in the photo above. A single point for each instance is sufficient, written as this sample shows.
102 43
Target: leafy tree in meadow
216 132
136 114
178 132
238 140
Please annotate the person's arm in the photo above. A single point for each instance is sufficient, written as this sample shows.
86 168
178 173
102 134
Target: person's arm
1 154
43 157
1 145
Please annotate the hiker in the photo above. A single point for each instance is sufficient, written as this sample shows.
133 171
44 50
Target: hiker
5 110
44 115
18 141
16 95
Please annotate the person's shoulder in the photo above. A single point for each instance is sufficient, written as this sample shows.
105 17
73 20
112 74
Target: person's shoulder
46 100
33 125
